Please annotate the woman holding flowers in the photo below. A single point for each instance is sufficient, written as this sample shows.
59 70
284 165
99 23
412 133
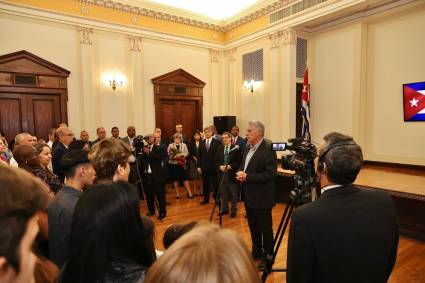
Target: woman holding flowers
177 151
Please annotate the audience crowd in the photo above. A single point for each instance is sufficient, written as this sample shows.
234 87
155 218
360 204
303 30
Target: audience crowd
70 208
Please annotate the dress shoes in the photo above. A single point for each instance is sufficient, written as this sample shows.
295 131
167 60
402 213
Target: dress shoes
162 216
233 214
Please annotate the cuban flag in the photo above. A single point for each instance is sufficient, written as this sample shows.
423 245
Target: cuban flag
414 101
305 108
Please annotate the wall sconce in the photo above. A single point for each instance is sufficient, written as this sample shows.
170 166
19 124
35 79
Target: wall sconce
113 80
249 85
113 83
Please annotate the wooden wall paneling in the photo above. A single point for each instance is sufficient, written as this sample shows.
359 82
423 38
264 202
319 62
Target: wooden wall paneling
45 110
10 115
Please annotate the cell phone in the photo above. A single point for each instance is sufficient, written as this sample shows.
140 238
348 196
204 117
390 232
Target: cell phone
278 146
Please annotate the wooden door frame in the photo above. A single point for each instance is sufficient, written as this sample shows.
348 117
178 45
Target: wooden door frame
165 89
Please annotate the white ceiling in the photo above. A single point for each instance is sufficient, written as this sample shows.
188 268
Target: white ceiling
213 9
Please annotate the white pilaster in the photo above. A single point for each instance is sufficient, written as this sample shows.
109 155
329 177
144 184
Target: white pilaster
137 112
287 84
91 109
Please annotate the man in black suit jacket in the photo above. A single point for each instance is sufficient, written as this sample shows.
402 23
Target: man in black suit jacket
228 155
65 137
257 175
236 139
207 151
154 178
349 234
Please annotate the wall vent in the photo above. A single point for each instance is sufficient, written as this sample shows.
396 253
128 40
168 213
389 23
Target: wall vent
293 9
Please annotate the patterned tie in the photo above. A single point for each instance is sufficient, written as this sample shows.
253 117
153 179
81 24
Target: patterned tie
226 154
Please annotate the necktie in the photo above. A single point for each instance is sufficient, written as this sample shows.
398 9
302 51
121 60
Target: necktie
233 141
226 155
208 145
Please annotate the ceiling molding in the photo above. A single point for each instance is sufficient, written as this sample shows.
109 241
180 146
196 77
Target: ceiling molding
77 21
176 15
313 20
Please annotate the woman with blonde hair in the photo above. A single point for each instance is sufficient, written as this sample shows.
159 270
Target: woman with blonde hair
177 152
219 255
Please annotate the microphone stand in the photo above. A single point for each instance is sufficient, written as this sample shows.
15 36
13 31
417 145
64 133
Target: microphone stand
218 199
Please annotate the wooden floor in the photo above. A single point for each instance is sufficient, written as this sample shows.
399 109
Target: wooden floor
409 268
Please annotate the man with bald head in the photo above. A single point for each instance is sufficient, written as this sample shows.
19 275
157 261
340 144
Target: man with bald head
20 139
65 137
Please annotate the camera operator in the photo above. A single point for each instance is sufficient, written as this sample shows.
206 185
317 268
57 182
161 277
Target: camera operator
349 234
154 178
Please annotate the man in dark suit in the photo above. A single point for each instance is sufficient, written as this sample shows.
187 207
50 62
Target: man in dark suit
154 177
84 137
214 133
179 132
349 234
236 139
65 137
228 155
257 175
101 135
207 151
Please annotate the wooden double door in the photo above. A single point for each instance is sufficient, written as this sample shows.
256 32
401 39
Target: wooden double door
171 112
178 100
35 113
33 95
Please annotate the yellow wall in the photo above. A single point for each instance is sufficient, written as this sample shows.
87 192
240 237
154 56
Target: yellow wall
73 7
357 72
395 55
53 42
60 44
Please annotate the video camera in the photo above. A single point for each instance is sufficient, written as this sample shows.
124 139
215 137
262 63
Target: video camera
301 161
139 143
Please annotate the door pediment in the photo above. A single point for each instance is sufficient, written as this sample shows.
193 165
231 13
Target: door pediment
178 77
26 62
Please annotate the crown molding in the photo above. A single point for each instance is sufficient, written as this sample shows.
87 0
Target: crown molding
298 22
176 15
40 14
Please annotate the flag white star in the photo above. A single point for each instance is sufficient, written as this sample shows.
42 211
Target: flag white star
414 102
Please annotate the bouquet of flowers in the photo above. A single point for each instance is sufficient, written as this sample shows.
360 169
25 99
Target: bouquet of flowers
181 160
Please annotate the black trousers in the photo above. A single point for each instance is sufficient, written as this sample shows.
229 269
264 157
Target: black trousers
154 189
260 226
229 191
133 178
209 180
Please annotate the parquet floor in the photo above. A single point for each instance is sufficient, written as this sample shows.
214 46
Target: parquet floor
409 268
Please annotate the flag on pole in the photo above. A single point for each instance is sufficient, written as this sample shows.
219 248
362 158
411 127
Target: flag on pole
305 108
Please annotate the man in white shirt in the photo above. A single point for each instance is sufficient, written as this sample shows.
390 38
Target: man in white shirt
51 137
22 138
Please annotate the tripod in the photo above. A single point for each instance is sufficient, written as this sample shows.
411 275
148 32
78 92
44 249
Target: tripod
296 198
218 200
139 159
